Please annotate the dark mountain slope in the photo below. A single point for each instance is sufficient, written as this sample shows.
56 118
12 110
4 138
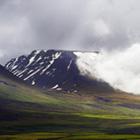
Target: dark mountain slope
53 69
4 73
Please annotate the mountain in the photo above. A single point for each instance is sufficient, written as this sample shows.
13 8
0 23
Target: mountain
54 69
31 113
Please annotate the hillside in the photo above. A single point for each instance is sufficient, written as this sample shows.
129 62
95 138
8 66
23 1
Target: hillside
28 112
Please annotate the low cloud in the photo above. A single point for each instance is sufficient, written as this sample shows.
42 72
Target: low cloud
121 69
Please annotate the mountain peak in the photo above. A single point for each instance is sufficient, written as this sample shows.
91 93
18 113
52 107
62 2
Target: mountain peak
53 69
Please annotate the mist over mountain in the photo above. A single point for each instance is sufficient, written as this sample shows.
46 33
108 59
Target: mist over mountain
121 69
71 70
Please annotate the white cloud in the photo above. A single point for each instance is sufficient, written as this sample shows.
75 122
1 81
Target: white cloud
121 69
100 28
67 24
1 54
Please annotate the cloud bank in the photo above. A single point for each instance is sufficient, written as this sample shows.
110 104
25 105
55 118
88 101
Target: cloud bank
121 69
26 25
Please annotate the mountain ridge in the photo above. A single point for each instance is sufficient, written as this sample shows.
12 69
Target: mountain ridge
53 69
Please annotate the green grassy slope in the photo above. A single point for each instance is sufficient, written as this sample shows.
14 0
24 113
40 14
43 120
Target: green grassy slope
27 113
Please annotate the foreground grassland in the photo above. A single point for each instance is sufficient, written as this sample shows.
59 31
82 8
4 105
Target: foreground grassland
69 136
31 114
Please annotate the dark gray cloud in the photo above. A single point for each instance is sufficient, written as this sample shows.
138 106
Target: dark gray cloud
26 25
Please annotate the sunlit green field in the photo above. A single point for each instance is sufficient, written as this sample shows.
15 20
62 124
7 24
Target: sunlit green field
32 114
69 136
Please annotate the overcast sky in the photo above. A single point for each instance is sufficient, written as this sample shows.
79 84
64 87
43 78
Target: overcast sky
26 25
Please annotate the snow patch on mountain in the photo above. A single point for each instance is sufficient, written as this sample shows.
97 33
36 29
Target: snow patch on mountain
68 67
33 82
56 86
32 74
